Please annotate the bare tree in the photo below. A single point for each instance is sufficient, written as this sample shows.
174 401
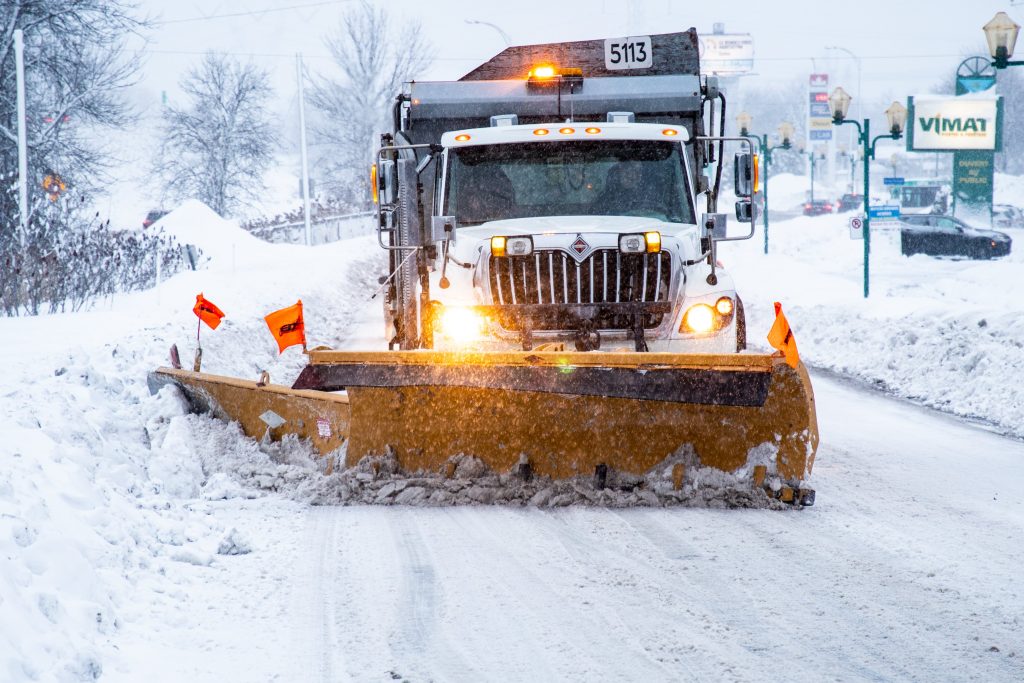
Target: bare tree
771 106
217 147
76 68
374 56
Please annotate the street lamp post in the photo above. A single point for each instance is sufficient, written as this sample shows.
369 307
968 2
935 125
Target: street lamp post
896 115
1001 35
743 119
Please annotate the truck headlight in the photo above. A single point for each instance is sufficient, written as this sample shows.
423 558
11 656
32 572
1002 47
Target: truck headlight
511 246
519 246
699 319
461 325
649 242
704 318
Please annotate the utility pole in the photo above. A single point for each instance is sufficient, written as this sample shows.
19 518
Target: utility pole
19 67
302 152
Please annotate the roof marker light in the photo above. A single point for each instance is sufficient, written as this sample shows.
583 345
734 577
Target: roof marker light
461 138
593 131
670 132
566 131
540 131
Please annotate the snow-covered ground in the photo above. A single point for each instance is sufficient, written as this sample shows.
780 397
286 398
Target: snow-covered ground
139 542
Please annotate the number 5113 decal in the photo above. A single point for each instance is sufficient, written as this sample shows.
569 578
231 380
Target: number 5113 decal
628 53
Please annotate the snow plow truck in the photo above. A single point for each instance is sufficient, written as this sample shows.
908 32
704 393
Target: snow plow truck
554 305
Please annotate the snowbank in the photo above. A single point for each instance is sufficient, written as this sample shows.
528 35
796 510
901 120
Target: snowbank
942 332
219 239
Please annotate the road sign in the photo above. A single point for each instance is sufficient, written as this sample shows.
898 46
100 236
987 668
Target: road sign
821 134
820 109
856 228
894 181
884 211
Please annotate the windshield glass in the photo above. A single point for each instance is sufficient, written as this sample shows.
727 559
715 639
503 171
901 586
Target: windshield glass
568 178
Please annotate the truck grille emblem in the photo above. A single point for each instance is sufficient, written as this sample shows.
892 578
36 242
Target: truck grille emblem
580 246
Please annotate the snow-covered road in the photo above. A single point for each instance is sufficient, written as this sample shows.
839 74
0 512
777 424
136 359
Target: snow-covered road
907 568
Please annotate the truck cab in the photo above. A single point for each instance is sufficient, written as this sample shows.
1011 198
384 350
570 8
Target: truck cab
578 216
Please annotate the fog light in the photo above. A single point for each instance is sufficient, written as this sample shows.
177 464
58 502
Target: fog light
518 246
498 246
699 318
724 306
461 325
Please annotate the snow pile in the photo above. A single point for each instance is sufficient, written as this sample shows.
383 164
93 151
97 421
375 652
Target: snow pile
101 484
946 333
219 239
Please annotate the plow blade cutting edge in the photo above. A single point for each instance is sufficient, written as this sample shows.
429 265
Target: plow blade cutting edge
546 414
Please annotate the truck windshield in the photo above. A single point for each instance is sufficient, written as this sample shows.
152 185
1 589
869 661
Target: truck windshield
568 178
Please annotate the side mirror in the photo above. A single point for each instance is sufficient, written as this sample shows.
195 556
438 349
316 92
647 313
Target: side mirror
743 174
745 211
441 228
387 182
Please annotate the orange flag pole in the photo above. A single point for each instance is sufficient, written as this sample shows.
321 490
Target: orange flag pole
288 327
781 337
207 312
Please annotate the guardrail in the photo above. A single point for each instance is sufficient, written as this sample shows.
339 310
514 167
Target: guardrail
323 230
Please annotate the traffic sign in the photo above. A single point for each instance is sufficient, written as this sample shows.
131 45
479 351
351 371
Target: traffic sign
894 181
821 134
856 228
884 211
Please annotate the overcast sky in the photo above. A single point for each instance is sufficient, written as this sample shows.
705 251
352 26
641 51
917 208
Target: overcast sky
904 46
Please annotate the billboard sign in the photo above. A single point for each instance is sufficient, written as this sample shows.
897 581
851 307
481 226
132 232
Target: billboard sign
726 54
818 82
954 123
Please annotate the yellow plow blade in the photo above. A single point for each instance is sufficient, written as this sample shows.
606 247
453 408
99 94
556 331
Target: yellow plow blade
561 415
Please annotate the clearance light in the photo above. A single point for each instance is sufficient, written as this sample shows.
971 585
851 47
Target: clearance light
461 138
566 131
593 131
461 325
724 306
699 318
757 175
498 246
670 132
540 131
373 184
542 72
653 240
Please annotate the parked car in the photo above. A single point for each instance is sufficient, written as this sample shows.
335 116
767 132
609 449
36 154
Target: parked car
851 202
818 207
948 236
152 217
1007 216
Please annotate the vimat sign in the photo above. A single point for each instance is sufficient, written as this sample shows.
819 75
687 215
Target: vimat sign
954 123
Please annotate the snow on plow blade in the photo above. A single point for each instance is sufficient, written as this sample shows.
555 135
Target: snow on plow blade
616 417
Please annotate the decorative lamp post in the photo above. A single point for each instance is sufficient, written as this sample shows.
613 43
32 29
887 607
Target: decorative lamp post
896 114
1001 35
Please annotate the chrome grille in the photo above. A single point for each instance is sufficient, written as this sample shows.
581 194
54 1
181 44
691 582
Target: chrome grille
552 276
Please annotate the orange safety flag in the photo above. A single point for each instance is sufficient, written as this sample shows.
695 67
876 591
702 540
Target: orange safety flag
287 326
207 311
781 337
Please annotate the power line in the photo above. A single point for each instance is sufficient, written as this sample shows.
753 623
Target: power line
251 13
291 55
